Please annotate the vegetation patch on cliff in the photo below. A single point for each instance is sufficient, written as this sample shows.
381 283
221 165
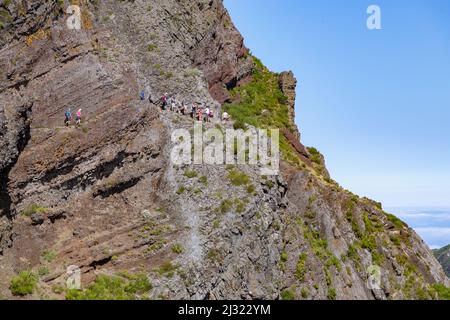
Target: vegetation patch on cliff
32 209
262 104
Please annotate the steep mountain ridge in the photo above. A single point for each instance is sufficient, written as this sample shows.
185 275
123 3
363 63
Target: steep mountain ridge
106 197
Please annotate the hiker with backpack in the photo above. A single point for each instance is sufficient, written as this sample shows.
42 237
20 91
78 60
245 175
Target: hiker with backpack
78 117
173 104
200 114
180 107
142 95
169 103
183 108
193 110
225 117
67 117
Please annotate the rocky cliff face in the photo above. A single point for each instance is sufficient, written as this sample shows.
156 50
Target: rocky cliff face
106 198
288 84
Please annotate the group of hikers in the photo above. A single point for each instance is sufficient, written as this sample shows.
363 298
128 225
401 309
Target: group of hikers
68 117
198 111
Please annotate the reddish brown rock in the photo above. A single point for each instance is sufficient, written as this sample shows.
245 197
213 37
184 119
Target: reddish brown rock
223 56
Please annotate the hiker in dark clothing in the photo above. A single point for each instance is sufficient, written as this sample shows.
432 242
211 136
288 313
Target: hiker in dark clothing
200 114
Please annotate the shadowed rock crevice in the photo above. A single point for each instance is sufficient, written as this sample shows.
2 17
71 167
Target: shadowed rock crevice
103 170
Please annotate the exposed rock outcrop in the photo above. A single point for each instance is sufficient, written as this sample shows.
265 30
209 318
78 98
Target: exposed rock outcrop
288 84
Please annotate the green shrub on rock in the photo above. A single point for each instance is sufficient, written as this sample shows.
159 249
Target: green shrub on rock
23 284
287 295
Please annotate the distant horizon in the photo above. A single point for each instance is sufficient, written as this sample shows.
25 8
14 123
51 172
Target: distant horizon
374 102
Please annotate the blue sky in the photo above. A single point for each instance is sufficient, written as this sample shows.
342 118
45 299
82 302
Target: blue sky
375 103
